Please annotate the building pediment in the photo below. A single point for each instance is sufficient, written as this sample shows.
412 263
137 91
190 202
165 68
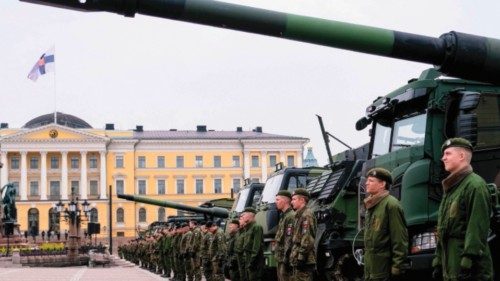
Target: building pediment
53 133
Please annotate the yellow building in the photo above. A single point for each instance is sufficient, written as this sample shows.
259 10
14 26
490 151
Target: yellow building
46 162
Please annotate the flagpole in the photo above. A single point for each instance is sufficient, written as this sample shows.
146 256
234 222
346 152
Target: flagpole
55 89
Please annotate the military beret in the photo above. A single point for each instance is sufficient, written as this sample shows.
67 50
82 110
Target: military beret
301 191
250 210
457 142
285 193
235 222
381 174
209 224
184 224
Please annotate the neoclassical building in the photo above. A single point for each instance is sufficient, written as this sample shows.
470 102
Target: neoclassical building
48 162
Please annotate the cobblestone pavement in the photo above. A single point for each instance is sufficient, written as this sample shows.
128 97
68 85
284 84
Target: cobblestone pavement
82 273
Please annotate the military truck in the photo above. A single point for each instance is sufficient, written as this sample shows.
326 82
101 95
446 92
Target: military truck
408 125
248 196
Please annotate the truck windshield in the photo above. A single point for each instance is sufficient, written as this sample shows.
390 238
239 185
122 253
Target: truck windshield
242 199
382 140
409 132
271 188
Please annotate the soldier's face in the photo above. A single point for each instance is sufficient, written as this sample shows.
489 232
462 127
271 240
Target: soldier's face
233 228
374 185
282 202
453 159
298 202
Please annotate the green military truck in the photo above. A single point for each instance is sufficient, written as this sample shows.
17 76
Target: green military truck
408 125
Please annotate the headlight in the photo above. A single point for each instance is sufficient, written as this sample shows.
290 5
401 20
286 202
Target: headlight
423 241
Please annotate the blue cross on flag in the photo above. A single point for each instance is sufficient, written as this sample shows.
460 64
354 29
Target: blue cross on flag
45 64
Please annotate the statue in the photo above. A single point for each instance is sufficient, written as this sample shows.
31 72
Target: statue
9 202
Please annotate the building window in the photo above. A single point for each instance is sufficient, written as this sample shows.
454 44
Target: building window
217 162
255 161
120 187
54 220
142 215
14 163
93 186
217 185
180 186
55 189
120 215
94 215
179 161
120 234
93 162
34 163
236 185
119 161
75 162
161 214
16 187
141 162
75 187
160 184
272 160
236 161
160 161
198 161
141 186
33 221
34 188
290 161
54 162
199 186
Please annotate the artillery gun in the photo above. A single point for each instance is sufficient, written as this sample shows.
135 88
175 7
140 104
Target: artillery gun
408 125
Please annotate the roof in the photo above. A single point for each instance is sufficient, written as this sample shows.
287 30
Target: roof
229 135
63 119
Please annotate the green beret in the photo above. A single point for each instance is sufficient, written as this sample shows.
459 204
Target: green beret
209 224
301 191
250 210
235 222
457 142
381 174
285 193
184 224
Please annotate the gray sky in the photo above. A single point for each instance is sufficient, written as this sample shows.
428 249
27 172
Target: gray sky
165 74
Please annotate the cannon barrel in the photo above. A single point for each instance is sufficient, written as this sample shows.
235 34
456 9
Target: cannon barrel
212 211
455 54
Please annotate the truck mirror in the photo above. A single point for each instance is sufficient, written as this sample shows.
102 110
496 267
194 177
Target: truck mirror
362 123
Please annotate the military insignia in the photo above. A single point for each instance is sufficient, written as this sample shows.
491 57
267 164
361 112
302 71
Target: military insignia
376 224
453 209
305 226
448 142
289 230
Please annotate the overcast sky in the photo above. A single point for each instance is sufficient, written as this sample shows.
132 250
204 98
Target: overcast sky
164 74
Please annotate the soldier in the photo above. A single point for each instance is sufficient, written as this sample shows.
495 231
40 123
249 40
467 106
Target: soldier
386 236
462 251
186 252
195 245
253 246
205 248
284 235
303 253
238 249
217 252
232 263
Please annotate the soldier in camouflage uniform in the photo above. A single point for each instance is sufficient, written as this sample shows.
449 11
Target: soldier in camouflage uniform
180 274
217 252
195 245
238 249
232 259
303 253
204 249
386 236
186 252
253 246
166 243
284 235
462 251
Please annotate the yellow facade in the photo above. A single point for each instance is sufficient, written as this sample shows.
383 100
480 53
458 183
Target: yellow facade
50 161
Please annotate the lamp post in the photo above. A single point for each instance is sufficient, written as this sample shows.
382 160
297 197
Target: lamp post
73 214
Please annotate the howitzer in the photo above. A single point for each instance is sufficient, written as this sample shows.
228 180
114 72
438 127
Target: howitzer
455 54
211 212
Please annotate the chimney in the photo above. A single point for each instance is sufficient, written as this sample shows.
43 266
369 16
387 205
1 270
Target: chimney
4 125
110 126
173 130
139 128
258 129
239 129
201 128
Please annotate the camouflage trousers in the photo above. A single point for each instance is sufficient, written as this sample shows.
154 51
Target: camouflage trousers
284 272
207 269
303 273
196 264
188 267
218 271
241 268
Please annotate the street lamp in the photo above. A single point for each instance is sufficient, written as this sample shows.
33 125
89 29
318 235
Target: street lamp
73 214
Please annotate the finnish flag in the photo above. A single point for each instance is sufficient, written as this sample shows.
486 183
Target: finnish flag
45 64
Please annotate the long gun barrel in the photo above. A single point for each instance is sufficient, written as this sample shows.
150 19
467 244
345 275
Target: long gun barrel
456 54
212 211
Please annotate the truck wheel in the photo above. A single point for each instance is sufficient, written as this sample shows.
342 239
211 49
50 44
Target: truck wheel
347 269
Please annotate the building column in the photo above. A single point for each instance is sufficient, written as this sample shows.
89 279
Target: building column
83 175
282 158
263 156
300 158
64 175
103 175
43 175
246 164
23 186
4 177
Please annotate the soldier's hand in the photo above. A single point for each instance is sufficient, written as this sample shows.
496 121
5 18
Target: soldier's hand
437 273
465 274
